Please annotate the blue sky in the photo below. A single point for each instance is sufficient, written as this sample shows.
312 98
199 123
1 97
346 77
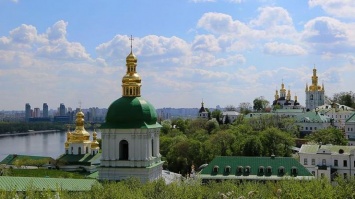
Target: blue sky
224 51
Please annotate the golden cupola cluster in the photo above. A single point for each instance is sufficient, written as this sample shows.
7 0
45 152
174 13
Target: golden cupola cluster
131 82
314 86
80 135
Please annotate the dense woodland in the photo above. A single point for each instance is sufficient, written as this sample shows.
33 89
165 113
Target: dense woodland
188 189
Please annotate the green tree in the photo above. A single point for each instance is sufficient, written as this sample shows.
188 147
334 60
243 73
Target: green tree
276 142
260 104
244 108
329 135
216 114
252 146
344 98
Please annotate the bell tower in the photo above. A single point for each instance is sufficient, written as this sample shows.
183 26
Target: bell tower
314 93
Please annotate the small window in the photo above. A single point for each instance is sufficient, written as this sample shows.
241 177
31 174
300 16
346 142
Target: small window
324 161
227 169
215 169
310 128
240 169
341 151
247 169
313 173
315 128
345 163
306 128
305 162
269 170
281 170
313 161
261 169
335 163
294 171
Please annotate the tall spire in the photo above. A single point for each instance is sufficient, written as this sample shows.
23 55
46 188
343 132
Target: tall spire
131 82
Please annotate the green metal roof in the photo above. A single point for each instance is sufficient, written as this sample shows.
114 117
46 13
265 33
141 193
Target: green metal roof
84 159
10 183
313 148
312 117
254 163
288 111
351 118
10 159
131 112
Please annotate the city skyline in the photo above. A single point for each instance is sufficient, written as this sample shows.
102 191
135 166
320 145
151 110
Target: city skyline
222 51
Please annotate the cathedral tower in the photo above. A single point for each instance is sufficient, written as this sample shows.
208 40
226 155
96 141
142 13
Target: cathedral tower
314 93
130 134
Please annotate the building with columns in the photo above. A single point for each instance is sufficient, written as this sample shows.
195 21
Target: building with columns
314 93
130 134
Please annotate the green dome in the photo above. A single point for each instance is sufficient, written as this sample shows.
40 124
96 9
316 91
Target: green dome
131 112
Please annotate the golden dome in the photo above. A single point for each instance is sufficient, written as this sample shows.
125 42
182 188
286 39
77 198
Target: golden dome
131 82
94 143
80 134
131 58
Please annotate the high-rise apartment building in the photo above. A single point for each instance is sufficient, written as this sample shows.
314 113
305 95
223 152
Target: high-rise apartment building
62 109
45 110
28 111
36 112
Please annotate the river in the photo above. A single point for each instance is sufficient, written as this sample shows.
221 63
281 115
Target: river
43 144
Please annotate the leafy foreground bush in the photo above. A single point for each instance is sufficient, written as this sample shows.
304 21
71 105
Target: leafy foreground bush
132 188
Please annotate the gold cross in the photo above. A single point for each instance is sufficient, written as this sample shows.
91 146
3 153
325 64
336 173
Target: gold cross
131 41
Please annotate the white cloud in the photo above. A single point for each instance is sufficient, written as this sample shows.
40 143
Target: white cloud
337 8
329 35
276 48
206 43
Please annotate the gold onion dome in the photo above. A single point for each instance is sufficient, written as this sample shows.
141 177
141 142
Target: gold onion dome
94 143
80 134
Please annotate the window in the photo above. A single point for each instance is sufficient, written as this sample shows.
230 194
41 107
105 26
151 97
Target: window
315 128
269 170
123 147
313 161
247 169
215 169
281 170
313 173
310 128
79 150
324 162
261 169
227 169
345 163
294 171
335 163
305 161
240 169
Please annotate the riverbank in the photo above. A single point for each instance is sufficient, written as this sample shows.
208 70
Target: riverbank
28 133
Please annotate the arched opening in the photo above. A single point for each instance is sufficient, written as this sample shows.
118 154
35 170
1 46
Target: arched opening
311 97
123 150
79 150
152 148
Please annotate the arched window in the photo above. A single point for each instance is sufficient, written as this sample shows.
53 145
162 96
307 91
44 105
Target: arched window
123 150
79 150
311 97
152 148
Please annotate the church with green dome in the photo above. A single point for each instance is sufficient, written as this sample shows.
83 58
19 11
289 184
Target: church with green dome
130 134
